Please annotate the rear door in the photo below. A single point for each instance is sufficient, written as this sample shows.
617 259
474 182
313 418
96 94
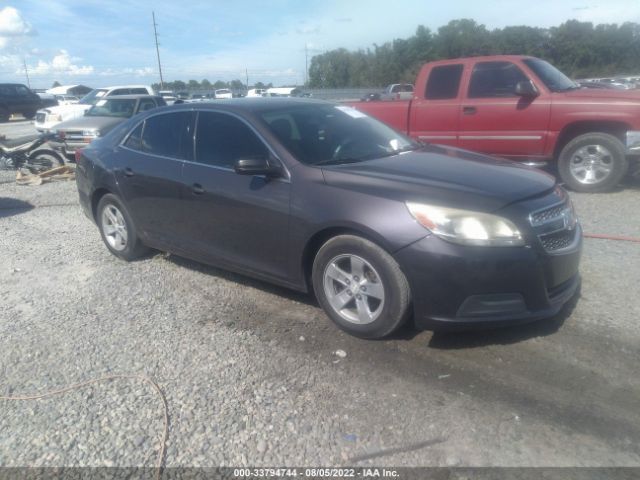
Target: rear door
233 219
497 121
434 115
150 175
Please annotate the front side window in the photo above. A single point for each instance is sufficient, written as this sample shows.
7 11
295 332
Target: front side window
138 91
444 82
122 91
169 135
91 97
22 91
495 79
222 139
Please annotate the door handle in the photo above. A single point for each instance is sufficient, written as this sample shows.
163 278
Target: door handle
197 189
469 110
128 172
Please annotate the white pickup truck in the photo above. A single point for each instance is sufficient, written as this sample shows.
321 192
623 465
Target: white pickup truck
48 118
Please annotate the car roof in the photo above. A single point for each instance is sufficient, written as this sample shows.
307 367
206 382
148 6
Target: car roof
129 97
249 105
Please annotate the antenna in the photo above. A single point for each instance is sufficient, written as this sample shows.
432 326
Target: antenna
26 72
155 33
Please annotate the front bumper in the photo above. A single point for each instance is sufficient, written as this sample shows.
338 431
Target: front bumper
460 287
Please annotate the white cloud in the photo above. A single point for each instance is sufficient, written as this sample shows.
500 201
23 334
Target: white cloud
13 26
61 64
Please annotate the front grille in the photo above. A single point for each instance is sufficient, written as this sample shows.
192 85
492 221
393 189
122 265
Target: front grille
558 240
555 226
544 216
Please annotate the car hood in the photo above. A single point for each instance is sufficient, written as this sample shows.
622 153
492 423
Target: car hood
78 108
443 176
103 124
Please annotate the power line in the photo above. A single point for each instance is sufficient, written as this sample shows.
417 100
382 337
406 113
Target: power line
155 33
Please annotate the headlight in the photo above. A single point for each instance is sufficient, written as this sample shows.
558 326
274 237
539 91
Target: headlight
466 227
90 133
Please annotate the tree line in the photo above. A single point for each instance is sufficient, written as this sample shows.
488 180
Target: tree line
579 49
205 85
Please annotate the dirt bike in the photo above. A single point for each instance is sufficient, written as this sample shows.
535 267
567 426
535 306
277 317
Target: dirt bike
30 153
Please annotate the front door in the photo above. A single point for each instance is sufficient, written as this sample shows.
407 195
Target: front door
234 219
494 120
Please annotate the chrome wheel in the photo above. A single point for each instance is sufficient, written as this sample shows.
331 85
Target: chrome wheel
591 164
114 227
354 289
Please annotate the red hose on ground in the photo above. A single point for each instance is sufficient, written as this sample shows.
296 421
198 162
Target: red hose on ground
612 237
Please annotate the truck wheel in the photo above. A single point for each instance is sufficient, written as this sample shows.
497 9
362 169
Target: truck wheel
593 162
360 287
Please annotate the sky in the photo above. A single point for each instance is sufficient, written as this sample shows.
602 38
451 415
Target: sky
104 42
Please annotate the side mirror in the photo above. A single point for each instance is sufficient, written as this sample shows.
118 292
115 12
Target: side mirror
526 89
256 166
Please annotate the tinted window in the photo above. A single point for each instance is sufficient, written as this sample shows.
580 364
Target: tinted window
121 91
134 141
6 90
444 82
146 104
495 79
168 135
22 90
222 139
138 91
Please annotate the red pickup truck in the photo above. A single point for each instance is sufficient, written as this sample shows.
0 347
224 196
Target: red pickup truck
525 109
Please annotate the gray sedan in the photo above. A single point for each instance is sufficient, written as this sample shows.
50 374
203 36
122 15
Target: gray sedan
100 119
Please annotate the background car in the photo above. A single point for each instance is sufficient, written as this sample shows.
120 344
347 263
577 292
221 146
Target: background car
48 118
223 93
17 98
100 119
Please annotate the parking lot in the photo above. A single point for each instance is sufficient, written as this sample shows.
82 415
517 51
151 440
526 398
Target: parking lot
250 372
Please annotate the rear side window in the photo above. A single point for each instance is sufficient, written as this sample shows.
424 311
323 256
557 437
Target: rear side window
222 139
121 91
495 79
138 91
444 82
169 135
134 142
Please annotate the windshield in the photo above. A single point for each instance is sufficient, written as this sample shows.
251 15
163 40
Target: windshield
554 79
328 134
113 107
93 96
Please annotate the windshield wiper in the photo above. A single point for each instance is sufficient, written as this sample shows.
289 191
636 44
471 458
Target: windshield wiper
339 161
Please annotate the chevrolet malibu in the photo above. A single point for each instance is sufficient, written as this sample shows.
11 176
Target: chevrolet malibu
322 198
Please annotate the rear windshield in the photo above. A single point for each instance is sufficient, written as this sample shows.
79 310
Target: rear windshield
113 107
93 96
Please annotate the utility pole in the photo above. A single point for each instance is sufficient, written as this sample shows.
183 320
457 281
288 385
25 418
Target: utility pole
155 33
306 64
26 72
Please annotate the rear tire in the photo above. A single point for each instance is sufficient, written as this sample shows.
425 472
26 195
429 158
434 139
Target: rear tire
43 161
593 162
117 229
361 287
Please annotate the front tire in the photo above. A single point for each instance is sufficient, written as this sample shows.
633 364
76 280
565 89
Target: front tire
593 162
118 230
360 287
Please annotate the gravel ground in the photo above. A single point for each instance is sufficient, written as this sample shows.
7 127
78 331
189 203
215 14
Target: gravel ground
250 372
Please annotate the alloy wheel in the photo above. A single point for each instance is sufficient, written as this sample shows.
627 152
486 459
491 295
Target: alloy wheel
114 227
